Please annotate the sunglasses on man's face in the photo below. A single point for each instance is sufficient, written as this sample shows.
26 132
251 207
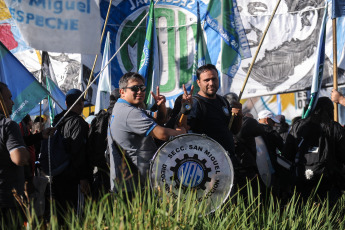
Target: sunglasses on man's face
136 88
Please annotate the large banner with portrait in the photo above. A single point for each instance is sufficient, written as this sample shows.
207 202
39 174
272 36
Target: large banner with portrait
287 57
284 64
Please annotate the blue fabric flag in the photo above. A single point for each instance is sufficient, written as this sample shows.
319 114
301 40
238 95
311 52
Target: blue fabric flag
338 8
224 18
26 91
149 63
319 66
201 56
104 83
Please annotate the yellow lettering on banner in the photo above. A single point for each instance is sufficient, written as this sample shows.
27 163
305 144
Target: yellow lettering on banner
4 12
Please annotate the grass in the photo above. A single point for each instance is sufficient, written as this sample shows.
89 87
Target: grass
155 210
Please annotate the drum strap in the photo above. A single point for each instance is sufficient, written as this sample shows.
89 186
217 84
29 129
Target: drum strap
123 153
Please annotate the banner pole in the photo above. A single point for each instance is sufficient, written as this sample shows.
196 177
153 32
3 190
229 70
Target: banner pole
254 59
335 65
2 103
95 61
105 66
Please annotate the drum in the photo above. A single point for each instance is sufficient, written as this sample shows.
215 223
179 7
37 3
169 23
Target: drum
263 162
197 162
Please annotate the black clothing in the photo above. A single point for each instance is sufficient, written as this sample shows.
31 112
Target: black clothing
272 140
334 134
74 131
11 175
65 185
213 122
245 148
245 145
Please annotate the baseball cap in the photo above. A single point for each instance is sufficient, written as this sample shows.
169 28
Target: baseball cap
267 114
72 95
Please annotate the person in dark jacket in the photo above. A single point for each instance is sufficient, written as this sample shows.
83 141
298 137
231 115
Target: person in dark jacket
74 130
282 127
275 147
245 149
320 123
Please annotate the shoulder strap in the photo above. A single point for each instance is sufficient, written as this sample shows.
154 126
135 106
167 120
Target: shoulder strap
115 143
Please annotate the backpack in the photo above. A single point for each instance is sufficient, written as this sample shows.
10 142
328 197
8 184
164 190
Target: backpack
97 139
313 156
59 158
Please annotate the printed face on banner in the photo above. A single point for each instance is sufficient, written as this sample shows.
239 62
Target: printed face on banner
288 51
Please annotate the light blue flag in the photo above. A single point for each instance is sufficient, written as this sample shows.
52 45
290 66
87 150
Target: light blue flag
149 63
224 18
338 8
201 56
319 66
26 91
104 83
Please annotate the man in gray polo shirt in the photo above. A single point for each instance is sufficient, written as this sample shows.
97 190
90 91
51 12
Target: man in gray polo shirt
133 129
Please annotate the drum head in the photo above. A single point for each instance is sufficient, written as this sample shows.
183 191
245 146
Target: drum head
197 162
263 161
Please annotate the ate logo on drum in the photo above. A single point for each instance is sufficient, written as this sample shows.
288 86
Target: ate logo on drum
190 172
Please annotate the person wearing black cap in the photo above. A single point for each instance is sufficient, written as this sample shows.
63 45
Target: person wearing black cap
74 131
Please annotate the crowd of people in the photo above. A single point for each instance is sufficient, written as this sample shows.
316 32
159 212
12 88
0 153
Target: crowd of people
133 134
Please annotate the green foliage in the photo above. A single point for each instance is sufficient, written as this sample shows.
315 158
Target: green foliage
147 209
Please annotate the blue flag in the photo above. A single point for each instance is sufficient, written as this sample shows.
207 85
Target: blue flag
149 63
104 83
338 8
224 18
201 56
26 91
319 66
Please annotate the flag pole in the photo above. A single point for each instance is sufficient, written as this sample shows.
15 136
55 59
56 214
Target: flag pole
94 63
335 65
254 59
2 103
117 51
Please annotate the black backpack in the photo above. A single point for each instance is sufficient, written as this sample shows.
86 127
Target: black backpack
59 158
97 139
313 158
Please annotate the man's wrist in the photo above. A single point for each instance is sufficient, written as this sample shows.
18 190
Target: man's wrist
341 100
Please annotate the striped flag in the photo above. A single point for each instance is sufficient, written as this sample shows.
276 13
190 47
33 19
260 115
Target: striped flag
319 66
26 91
149 63
224 18
104 83
201 56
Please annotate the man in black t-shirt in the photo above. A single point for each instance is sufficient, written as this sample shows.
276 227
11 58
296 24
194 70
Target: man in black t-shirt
13 156
211 113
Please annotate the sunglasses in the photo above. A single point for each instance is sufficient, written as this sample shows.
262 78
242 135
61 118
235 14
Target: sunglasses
136 88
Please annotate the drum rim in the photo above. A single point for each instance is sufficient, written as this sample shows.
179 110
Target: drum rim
206 137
